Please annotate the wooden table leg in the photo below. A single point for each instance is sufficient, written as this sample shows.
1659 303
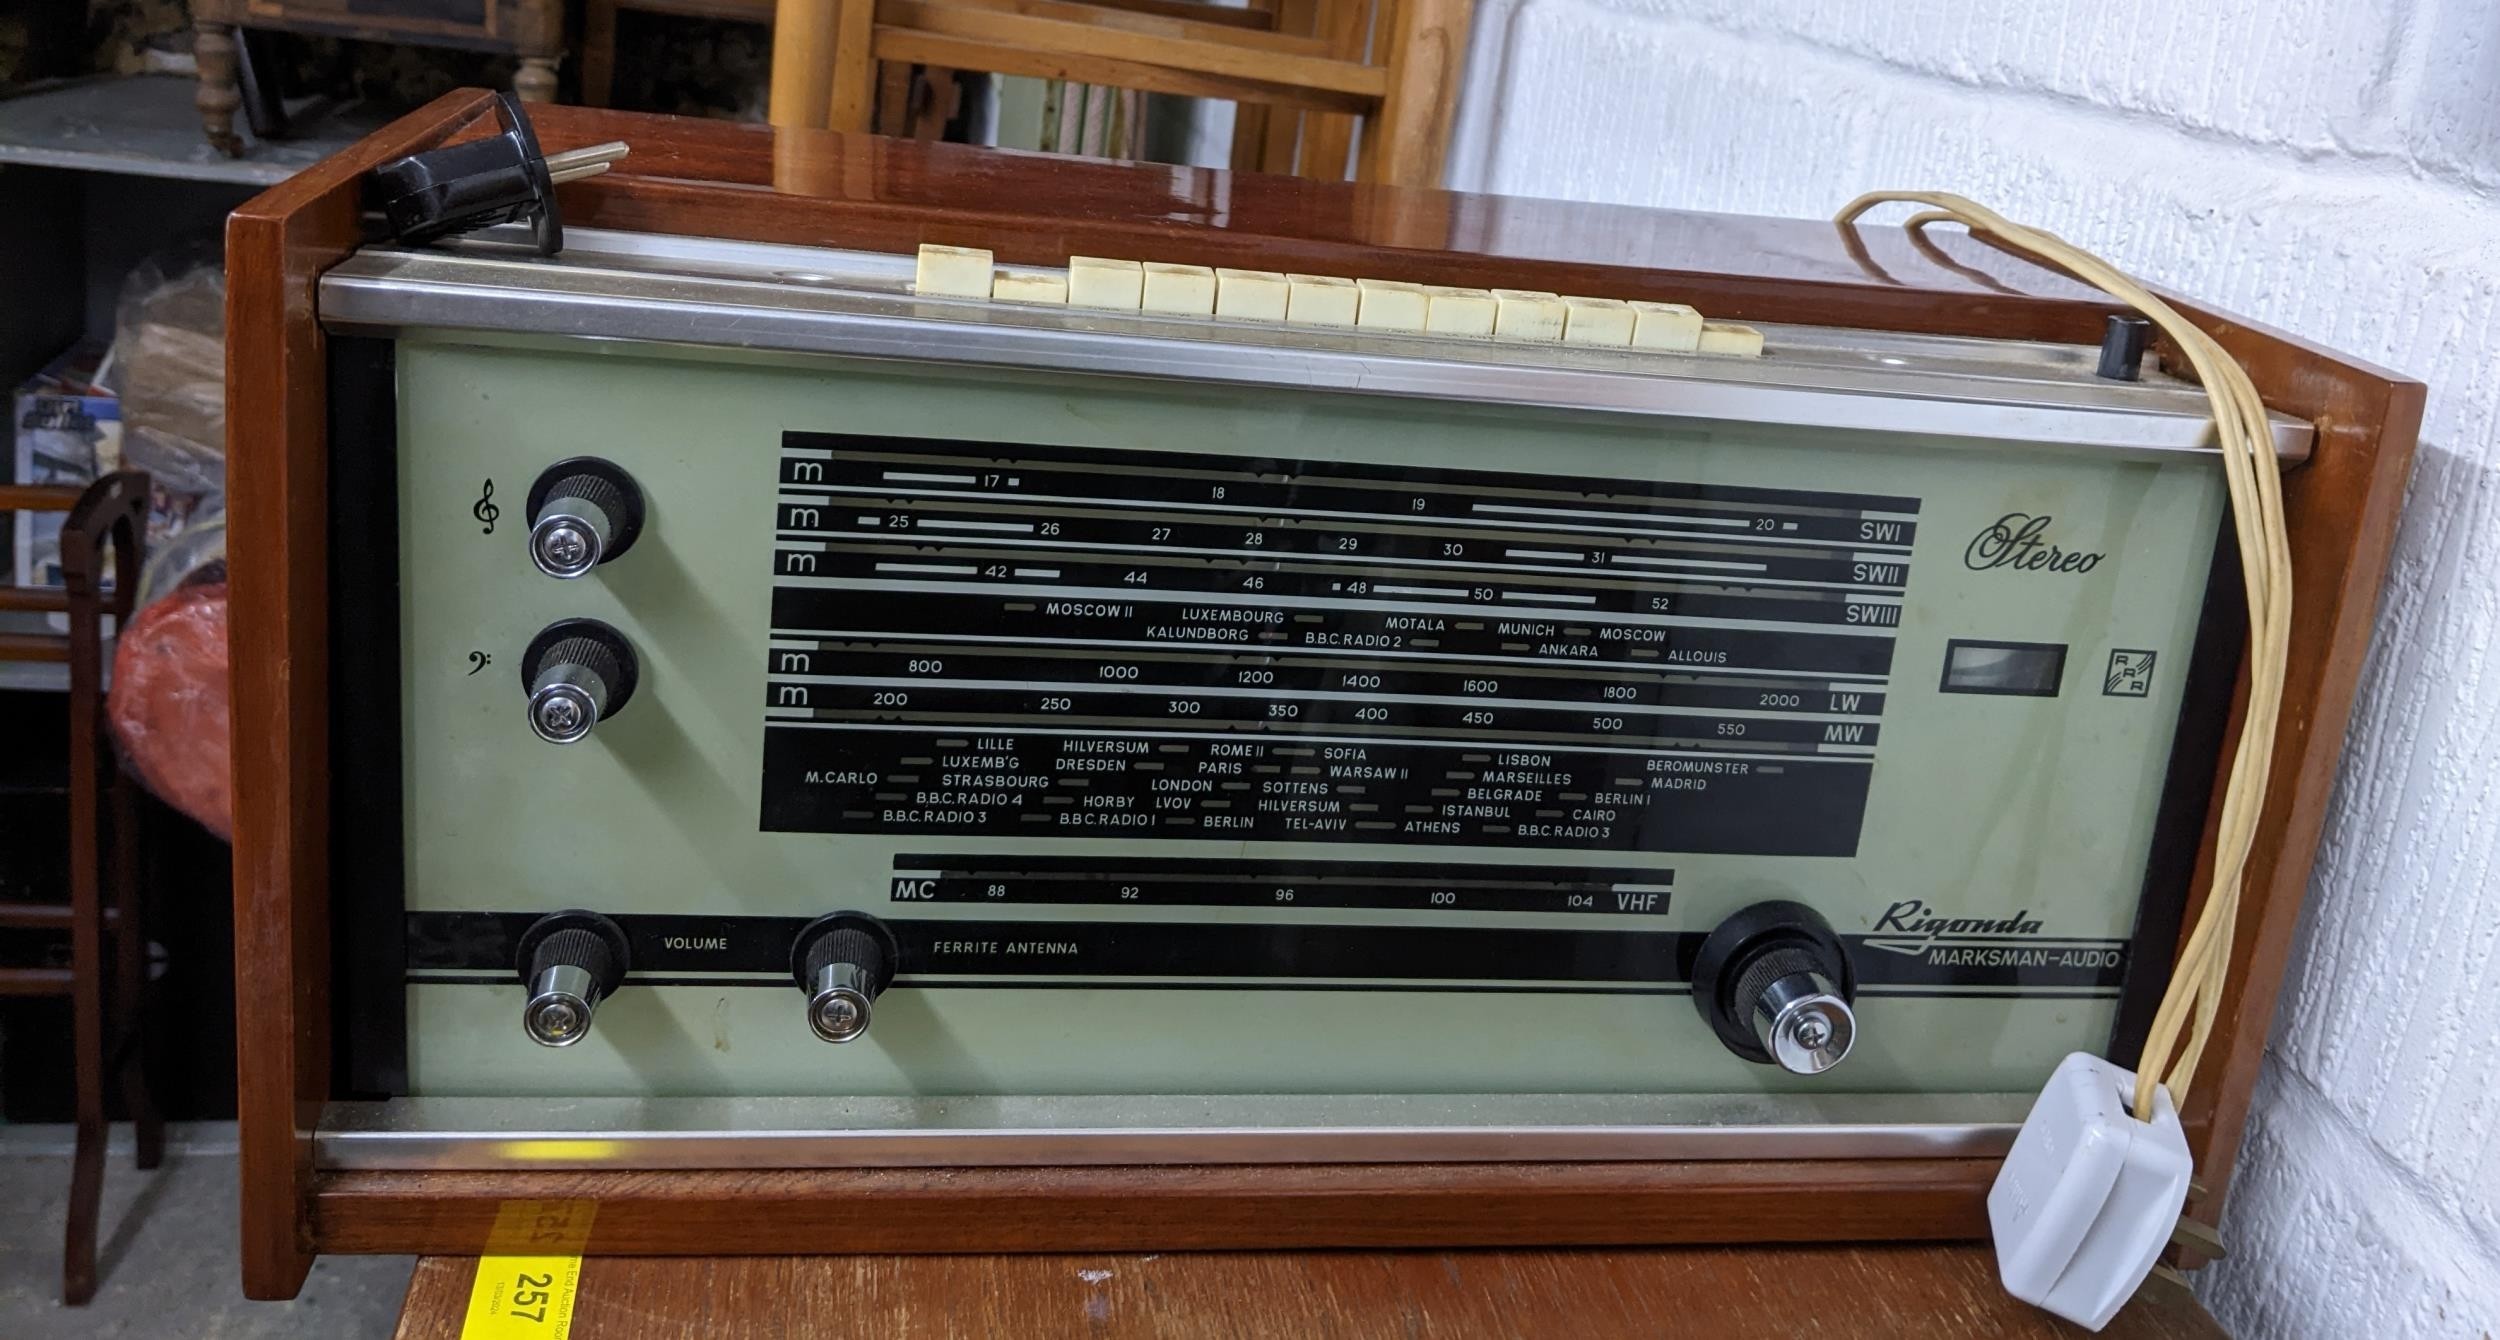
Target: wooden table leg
535 81
221 86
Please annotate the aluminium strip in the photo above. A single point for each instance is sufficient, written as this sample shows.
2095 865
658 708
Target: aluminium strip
485 1134
391 292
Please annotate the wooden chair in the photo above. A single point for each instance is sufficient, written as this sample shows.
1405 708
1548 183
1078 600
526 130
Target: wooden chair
1314 144
110 513
1393 63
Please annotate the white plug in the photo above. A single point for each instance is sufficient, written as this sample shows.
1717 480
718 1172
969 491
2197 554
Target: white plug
2089 1195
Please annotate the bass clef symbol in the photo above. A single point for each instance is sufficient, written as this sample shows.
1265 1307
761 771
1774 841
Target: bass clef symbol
486 511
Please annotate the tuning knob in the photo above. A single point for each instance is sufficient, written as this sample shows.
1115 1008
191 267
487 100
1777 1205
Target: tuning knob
1776 984
843 962
579 672
583 512
570 961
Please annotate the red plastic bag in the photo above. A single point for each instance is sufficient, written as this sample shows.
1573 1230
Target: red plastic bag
168 703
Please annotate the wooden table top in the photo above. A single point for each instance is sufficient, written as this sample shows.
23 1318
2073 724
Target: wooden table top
1859 1292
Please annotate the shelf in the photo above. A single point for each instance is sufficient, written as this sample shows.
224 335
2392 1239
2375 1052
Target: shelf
146 126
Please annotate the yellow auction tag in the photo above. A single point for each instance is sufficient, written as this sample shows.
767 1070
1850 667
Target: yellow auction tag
531 1272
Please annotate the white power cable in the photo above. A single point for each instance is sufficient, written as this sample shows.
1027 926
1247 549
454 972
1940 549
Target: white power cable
2249 467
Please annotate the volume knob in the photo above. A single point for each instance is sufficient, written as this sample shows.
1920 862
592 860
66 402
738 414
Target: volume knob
1776 985
579 672
843 962
583 512
569 961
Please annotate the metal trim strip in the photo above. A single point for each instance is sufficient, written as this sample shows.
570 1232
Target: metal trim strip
1893 384
751 1134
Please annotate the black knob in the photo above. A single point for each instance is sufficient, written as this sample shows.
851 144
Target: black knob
583 512
570 961
2123 339
843 962
1776 986
579 672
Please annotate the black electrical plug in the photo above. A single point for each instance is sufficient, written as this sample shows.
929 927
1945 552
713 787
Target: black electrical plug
464 187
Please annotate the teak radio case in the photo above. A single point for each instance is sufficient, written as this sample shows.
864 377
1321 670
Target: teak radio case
818 188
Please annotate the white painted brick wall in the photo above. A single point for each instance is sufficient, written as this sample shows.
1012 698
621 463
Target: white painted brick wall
2328 166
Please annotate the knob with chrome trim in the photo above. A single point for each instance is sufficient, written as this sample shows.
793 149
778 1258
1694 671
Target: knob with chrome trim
1776 985
579 672
569 961
583 512
843 962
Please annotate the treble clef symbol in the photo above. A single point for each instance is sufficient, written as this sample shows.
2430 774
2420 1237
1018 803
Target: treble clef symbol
486 511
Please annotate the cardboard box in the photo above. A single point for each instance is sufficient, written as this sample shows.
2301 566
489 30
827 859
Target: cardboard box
67 430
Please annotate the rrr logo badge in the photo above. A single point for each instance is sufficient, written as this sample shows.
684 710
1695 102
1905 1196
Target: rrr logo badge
2019 541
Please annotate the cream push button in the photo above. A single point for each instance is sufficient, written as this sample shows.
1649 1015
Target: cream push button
583 512
1777 987
578 672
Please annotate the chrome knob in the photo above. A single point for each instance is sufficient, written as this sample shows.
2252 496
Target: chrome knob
583 512
561 1002
1776 985
579 672
1797 1014
843 962
569 961
564 545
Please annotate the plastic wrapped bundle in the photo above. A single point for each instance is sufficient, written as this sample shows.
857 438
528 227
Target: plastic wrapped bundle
168 702
169 367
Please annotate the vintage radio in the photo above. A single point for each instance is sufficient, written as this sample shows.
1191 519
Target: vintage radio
814 764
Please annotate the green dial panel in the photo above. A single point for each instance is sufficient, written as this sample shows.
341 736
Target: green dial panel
1195 739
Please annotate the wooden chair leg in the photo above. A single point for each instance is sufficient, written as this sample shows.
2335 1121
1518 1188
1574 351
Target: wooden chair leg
86 965
86 1197
598 52
130 976
851 101
1285 126
1426 52
1251 119
1249 134
1327 145
802 63
893 115
1349 27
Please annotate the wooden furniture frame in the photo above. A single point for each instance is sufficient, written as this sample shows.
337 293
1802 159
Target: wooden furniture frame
1314 144
532 30
105 1020
820 188
1934 1292
826 52
918 100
